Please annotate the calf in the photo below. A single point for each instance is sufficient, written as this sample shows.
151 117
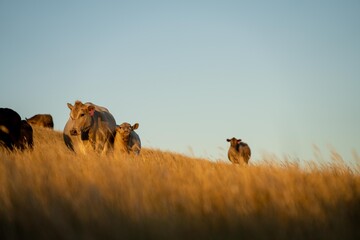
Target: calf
42 120
126 139
239 152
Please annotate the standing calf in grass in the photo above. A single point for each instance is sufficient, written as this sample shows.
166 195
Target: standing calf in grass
126 139
239 152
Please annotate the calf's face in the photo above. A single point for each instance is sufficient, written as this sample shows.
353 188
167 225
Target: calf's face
125 129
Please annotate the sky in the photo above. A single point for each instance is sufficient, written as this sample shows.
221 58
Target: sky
284 76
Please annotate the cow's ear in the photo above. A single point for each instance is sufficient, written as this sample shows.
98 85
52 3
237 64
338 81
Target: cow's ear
70 106
228 140
238 140
91 110
135 126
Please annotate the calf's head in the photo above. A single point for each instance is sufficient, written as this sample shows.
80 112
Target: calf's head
125 129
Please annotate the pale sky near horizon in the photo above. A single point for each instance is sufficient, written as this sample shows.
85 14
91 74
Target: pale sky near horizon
281 75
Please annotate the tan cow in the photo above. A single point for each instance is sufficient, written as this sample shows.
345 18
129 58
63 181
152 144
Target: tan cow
126 139
42 120
91 125
239 152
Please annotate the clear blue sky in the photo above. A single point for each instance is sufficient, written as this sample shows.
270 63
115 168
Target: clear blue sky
281 75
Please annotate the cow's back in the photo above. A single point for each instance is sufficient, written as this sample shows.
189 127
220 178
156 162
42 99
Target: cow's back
105 115
42 120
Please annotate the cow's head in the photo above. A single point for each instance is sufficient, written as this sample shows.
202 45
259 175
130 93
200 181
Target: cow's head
233 141
125 129
81 115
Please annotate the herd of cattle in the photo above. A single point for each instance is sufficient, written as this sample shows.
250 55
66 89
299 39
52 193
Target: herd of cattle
89 128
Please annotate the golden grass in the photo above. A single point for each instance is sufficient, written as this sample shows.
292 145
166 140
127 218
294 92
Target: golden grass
52 193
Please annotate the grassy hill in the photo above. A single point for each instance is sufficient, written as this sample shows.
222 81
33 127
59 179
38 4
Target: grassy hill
52 193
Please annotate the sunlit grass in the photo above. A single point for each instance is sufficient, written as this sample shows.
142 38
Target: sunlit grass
51 193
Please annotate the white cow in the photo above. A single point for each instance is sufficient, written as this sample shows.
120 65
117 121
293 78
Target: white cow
89 124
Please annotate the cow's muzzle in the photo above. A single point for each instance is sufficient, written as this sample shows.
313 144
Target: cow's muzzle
74 132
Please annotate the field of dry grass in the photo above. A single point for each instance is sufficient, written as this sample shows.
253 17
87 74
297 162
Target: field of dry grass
52 193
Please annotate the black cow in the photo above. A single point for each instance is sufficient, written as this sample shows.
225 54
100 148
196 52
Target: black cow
26 136
14 133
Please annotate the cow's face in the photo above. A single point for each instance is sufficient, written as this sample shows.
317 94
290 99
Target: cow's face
234 142
81 115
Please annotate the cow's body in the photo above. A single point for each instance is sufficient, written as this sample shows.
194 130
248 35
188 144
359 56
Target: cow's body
14 132
90 125
42 120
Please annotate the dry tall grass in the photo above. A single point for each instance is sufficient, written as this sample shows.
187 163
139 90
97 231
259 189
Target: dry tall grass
51 193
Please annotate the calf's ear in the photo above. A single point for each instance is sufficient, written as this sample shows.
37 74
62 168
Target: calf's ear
135 126
228 140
